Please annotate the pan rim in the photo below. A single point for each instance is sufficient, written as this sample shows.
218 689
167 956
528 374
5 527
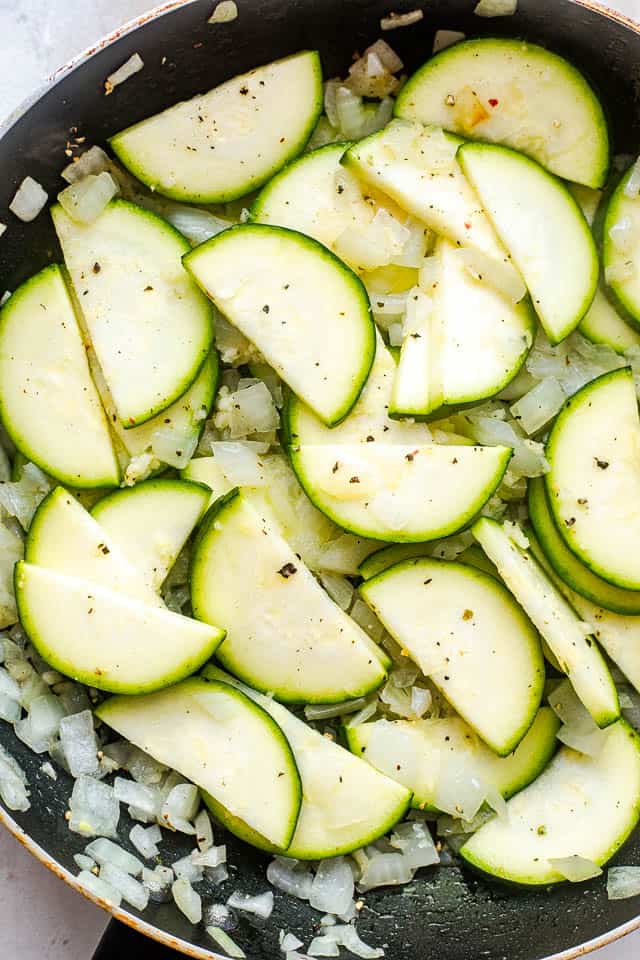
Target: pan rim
6 820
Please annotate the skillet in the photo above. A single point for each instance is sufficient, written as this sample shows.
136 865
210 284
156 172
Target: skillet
445 913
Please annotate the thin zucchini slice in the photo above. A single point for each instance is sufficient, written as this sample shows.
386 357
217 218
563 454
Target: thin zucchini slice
152 521
471 341
65 538
224 742
467 634
559 625
424 754
346 804
543 229
48 403
516 93
620 238
291 640
227 142
150 326
603 324
580 806
566 564
368 421
290 296
399 492
106 639
593 485
618 635
417 167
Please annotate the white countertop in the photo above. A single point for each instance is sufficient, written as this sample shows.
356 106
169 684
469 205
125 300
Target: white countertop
41 918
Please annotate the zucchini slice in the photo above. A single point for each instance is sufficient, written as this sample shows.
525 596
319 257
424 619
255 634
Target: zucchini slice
466 633
593 485
516 93
65 538
580 806
387 557
399 492
417 167
566 564
227 142
368 421
291 296
291 639
150 326
223 741
618 635
543 229
48 403
620 238
559 625
346 804
603 324
106 639
425 754
152 521
469 340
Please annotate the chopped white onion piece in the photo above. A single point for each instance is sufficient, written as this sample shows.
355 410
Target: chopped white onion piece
83 861
623 882
290 876
7 294
134 64
367 619
338 588
92 161
420 702
142 841
4 299
323 947
501 275
621 235
78 740
86 199
575 869
13 782
186 869
496 8
204 831
8 685
446 38
138 795
187 900
183 801
29 199
387 869
99 888
194 224
579 731
324 711
537 407
40 727
224 12
10 709
261 905
105 851
246 412
142 767
289 941
632 186
131 890
157 881
395 20
332 887
211 858
224 940
414 840
347 936
239 463
22 497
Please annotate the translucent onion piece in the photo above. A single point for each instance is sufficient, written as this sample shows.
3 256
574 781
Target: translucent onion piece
261 905
239 463
332 887
501 275
446 38
95 811
187 900
29 199
186 869
143 843
224 12
92 161
623 882
105 851
415 842
496 8
99 888
85 199
537 407
576 869
385 870
396 20
138 795
204 831
131 890
211 858
78 739
224 940
133 65
621 235
291 877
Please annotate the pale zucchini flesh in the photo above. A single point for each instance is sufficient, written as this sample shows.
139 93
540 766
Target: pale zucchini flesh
399 492
150 326
542 228
65 538
152 521
580 806
48 402
620 237
593 485
222 741
516 93
105 639
291 296
227 142
576 652
423 747
567 565
465 632
291 639
346 803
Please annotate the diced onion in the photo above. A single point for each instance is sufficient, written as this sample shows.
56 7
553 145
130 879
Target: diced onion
621 235
224 940
632 186
260 905
499 274
204 831
496 8
323 947
92 161
40 727
187 900
395 20
387 869
105 851
579 731
415 842
95 811
78 739
210 858
158 881
575 869
290 876
83 861
224 12
85 199
623 882
289 942
186 869
13 782
99 888
367 619
133 65
29 199
194 224
3 227
446 38
183 801
332 887
143 841
537 407
138 795
246 412
131 890
239 463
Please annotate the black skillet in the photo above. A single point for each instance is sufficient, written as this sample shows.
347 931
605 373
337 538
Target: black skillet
445 913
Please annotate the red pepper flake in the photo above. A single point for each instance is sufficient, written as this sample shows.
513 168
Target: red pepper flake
467 225
493 102
410 456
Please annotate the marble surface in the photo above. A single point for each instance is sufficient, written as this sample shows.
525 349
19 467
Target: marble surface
41 918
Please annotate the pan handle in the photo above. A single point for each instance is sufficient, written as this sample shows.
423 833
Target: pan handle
121 941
